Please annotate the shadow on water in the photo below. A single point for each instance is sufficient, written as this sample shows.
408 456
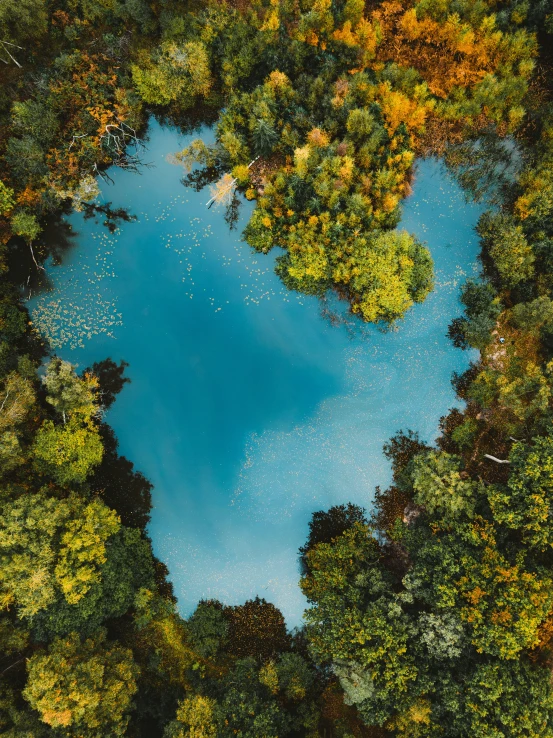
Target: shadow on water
55 244
113 217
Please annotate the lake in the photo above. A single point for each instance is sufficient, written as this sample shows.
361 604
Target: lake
249 408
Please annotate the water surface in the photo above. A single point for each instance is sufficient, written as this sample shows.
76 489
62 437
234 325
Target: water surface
248 409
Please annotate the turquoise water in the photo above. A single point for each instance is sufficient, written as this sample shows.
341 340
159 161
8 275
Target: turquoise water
248 407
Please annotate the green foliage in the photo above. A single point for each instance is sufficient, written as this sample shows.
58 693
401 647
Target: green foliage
18 400
524 503
482 308
437 621
83 688
6 199
17 720
531 316
25 225
208 629
502 699
51 547
252 702
67 453
174 73
21 20
440 488
68 393
505 244
195 719
128 568
356 617
325 526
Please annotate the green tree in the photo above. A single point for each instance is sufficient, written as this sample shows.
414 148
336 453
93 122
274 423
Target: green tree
356 618
176 72
506 245
17 400
26 226
531 316
7 201
52 547
83 688
128 568
67 453
252 701
21 20
440 488
524 503
195 719
208 628
68 393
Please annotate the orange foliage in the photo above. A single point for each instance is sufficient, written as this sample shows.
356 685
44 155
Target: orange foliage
28 197
88 100
397 108
543 651
446 54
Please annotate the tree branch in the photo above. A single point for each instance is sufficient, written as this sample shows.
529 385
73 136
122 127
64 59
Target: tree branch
497 461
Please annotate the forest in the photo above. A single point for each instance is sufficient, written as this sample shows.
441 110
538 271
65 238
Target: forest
432 614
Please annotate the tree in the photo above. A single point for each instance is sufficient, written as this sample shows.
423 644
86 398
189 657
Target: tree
67 453
25 225
256 629
264 137
17 719
194 719
51 547
209 628
356 618
21 20
175 72
386 276
524 503
441 489
325 526
128 569
272 700
68 393
531 316
6 199
17 400
83 687
505 244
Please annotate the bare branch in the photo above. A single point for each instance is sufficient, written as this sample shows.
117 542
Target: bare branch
497 461
12 665
5 44
38 266
5 400
224 189
75 137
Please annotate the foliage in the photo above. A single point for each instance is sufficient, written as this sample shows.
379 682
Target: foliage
67 393
174 73
324 135
85 688
52 546
433 620
69 452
